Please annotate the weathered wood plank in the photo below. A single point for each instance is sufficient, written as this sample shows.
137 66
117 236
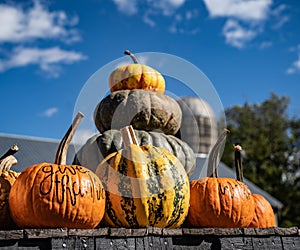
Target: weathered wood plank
45 233
267 243
154 231
290 243
194 242
11 234
89 232
236 243
63 243
139 243
103 243
286 231
170 232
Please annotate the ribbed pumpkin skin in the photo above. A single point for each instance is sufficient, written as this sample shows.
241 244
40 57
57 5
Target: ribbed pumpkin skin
220 202
50 196
145 186
101 145
7 179
136 76
142 109
264 215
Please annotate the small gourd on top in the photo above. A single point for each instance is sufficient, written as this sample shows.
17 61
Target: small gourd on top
137 98
136 76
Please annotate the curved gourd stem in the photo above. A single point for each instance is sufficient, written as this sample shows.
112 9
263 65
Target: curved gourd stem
127 52
128 137
61 153
214 155
7 160
238 163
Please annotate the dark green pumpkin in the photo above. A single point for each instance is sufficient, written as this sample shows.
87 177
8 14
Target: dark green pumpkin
101 145
142 109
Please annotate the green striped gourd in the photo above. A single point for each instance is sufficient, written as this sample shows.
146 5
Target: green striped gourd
145 186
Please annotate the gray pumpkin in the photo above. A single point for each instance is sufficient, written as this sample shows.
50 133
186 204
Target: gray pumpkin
101 145
144 110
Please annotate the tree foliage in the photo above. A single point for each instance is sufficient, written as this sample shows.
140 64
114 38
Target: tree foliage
271 143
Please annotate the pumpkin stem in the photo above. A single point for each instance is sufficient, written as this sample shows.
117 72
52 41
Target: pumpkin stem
127 52
128 137
7 160
238 162
61 153
11 151
214 155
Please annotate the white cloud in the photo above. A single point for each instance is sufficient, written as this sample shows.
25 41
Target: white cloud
47 59
21 25
128 7
237 35
167 7
295 66
49 112
265 44
250 10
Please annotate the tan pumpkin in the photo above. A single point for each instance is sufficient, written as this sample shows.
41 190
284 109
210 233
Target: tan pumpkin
57 195
145 186
136 76
7 179
219 202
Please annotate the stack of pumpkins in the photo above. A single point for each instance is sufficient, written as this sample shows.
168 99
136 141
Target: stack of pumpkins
147 181
144 183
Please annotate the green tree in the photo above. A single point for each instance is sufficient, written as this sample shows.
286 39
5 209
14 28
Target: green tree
270 140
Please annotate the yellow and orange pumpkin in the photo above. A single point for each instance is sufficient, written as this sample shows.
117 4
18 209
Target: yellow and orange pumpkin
136 76
56 195
145 186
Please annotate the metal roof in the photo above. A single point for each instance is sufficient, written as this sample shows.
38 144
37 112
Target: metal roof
32 150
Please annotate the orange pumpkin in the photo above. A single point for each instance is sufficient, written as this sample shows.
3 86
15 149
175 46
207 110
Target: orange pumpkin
219 202
136 76
264 215
56 195
7 179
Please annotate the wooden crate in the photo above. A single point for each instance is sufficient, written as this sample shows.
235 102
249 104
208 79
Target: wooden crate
152 238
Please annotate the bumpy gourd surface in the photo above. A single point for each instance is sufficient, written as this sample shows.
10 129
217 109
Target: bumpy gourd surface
142 109
146 186
136 76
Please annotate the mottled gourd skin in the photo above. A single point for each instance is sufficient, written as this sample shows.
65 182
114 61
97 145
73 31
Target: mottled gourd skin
99 146
142 109
220 202
51 196
136 76
264 215
145 186
7 179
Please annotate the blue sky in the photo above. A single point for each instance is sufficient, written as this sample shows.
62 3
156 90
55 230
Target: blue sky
49 50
